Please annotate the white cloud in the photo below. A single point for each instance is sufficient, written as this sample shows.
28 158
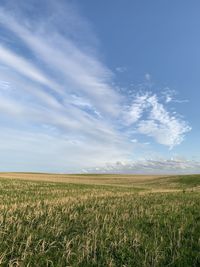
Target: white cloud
74 67
121 69
147 76
49 151
134 140
162 166
170 96
61 85
22 66
152 118
136 109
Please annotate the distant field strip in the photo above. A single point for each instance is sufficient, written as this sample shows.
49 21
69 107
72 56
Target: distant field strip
83 179
64 220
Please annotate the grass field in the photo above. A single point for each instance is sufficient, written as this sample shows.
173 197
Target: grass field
99 220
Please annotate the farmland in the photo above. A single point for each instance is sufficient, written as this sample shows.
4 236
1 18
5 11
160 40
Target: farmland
99 220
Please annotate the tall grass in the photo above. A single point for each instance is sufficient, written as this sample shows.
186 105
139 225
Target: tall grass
57 224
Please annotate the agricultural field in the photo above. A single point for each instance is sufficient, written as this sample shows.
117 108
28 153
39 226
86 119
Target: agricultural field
99 220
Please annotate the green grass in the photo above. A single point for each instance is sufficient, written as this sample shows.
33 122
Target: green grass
61 224
188 181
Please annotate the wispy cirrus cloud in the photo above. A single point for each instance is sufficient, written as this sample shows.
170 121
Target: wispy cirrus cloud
71 66
56 91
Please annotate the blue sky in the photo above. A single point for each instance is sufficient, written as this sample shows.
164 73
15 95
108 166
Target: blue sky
106 86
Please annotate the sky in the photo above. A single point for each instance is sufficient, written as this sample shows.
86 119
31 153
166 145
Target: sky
100 86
